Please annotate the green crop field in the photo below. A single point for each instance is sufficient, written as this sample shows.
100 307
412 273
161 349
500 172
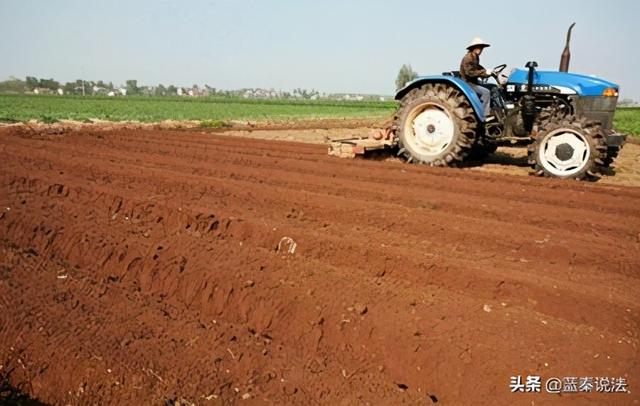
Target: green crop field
151 109
14 108
627 121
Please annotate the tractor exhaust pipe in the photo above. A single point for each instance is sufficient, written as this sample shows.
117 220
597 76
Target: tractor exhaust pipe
566 54
529 100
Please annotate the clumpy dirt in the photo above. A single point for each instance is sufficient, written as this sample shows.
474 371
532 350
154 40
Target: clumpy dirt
161 266
36 128
10 396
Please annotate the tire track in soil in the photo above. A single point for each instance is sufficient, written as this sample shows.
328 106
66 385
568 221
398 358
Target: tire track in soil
115 277
385 176
491 281
586 227
363 190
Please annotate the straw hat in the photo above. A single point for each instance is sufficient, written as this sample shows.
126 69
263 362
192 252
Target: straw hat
478 42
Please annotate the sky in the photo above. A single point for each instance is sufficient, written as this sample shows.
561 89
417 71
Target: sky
345 46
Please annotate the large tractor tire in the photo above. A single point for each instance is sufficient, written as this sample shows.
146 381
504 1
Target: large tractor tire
612 154
568 147
435 125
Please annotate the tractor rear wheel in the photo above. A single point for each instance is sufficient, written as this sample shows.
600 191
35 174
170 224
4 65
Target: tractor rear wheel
568 147
435 125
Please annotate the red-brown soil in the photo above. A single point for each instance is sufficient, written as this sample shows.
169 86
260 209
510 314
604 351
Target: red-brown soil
142 267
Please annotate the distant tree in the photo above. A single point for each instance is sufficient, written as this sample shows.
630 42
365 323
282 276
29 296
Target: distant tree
132 87
405 75
211 90
48 84
146 91
69 88
13 85
172 90
81 87
160 90
32 82
89 86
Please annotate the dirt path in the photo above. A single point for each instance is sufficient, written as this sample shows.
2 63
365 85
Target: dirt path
143 267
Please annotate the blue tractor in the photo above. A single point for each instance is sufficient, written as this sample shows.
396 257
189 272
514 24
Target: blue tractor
565 120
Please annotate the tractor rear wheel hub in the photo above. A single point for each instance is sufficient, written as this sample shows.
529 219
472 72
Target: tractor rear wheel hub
432 129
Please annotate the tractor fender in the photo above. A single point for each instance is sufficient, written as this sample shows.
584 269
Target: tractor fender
458 83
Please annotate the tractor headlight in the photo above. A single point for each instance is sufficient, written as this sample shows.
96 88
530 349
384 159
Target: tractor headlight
610 92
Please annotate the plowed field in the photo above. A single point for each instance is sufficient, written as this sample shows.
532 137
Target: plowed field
145 267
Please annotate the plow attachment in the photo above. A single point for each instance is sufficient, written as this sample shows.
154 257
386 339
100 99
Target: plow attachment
350 147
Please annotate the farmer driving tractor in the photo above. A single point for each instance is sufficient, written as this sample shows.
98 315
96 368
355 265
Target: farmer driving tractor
471 71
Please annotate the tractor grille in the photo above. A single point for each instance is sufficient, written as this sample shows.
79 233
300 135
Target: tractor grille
599 108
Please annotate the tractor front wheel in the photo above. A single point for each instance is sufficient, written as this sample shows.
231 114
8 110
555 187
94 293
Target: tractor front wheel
568 147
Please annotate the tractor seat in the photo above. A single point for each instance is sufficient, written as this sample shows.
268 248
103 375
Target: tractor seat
454 73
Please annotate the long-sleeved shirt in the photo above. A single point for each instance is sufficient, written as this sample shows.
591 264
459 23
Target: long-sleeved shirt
470 68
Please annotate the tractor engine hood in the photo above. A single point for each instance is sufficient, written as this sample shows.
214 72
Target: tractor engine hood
565 83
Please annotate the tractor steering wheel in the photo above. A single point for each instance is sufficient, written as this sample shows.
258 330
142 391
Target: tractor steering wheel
498 69
497 73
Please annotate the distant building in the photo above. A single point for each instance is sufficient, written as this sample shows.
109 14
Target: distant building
42 90
100 90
